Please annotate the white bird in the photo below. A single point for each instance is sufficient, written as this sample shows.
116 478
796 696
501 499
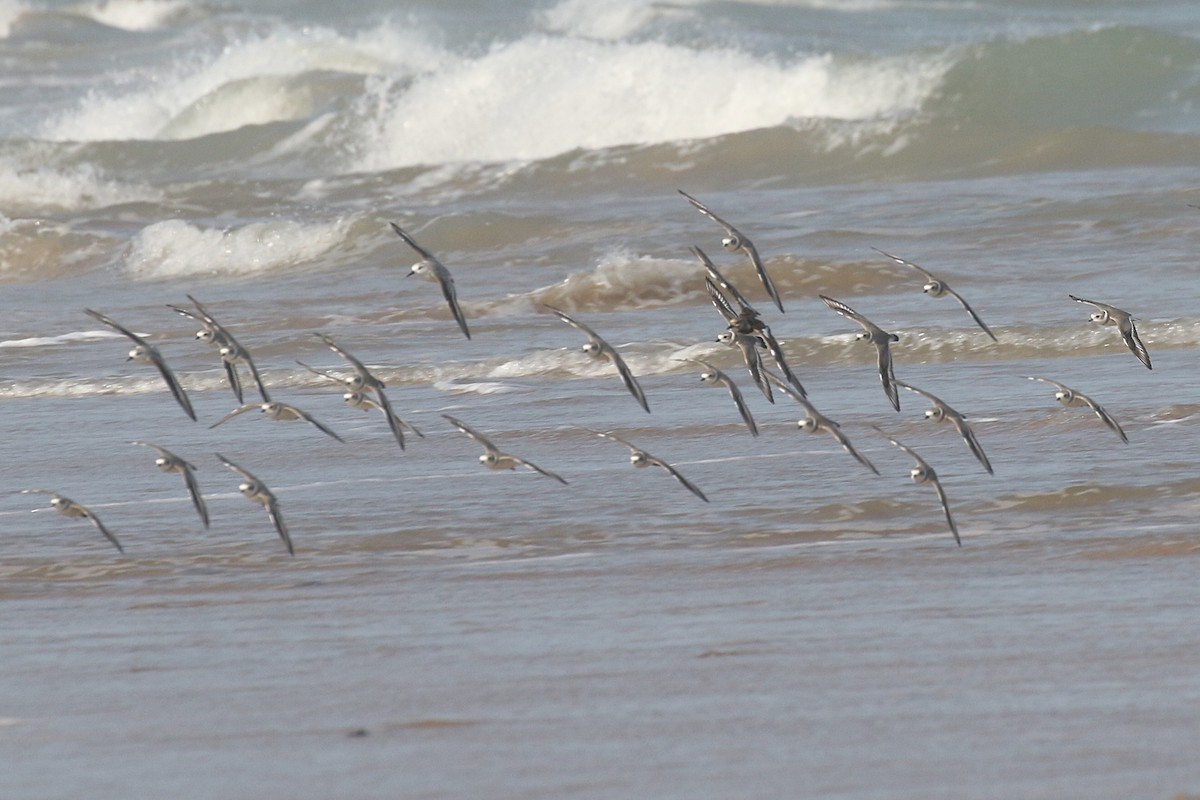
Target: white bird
715 377
935 287
256 491
280 411
923 473
816 422
493 458
1111 315
69 508
430 269
1070 397
169 462
146 353
878 337
942 412
597 348
640 458
734 241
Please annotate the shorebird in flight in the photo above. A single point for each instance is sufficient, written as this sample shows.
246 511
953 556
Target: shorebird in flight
936 287
597 348
734 241
69 508
878 337
942 412
281 411
816 422
169 462
745 320
146 353
231 351
493 458
430 269
923 473
640 458
1111 315
715 377
256 491
1070 397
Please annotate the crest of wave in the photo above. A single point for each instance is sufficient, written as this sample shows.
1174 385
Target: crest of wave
27 189
175 248
9 11
247 82
541 96
135 15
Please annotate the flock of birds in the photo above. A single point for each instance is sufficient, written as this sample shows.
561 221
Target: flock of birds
745 330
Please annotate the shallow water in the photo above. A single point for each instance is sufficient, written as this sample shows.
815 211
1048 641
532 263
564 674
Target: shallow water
811 631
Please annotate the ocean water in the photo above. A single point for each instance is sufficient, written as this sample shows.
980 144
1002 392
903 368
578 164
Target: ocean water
444 630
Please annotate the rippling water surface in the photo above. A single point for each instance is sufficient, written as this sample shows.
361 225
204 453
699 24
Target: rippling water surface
448 631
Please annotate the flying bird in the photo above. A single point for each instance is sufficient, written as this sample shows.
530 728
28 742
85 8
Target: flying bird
715 377
923 473
816 422
1070 397
69 508
231 351
597 348
280 411
1111 315
640 458
942 412
169 462
748 347
746 319
256 491
146 353
734 241
493 458
359 384
430 269
935 287
878 337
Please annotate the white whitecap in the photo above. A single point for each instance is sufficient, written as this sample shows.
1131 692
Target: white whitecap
175 248
31 190
134 15
10 10
542 96
244 83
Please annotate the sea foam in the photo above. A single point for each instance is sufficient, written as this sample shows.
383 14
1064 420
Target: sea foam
541 96
175 248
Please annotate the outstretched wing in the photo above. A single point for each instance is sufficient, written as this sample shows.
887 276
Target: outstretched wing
474 434
691 487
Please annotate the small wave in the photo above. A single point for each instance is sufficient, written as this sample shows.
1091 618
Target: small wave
10 12
175 248
135 15
35 189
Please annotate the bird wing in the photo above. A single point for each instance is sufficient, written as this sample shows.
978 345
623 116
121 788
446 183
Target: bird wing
315 422
720 301
850 313
172 381
968 435
446 280
242 409
1130 335
359 367
941 493
193 488
971 311
734 392
627 378
277 518
474 434
835 431
928 275
538 469
776 351
100 527
724 283
411 242
1104 416
691 487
